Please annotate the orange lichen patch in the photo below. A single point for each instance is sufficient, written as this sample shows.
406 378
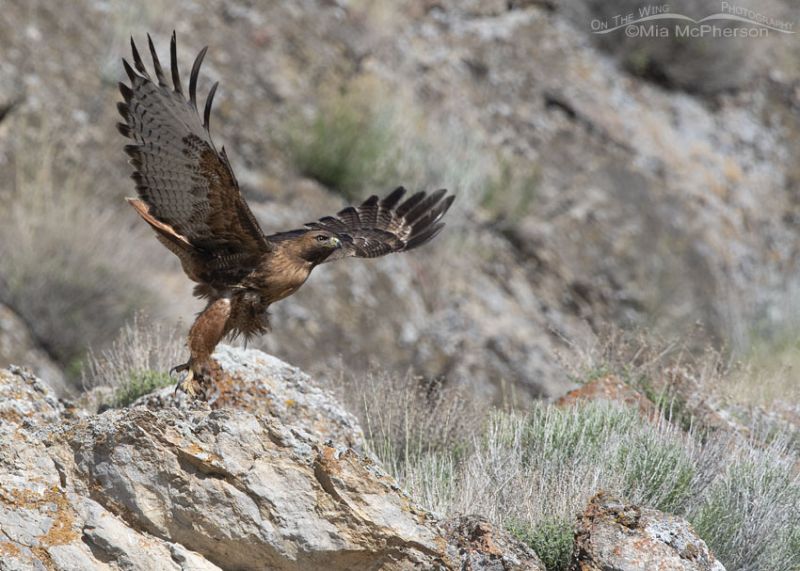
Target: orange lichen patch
201 459
41 554
604 506
290 403
441 547
8 549
194 448
52 502
207 461
62 530
11 416
481 538
234 392
328 461
610 388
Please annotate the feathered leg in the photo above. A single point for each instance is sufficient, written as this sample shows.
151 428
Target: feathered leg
208 329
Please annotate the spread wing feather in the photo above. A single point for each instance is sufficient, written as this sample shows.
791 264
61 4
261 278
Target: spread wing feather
186 184
380 227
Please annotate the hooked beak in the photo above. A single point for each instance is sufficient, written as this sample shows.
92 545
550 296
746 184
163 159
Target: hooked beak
336 242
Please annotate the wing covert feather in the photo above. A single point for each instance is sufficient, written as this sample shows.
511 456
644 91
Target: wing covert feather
379 227
186 183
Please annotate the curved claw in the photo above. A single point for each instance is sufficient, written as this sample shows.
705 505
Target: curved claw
179 368
194 383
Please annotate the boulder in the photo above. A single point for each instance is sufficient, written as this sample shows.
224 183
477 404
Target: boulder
45 523
247 492
246 482
482 547
266 386
613 535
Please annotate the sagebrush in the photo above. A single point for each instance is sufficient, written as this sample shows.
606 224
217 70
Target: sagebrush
533 471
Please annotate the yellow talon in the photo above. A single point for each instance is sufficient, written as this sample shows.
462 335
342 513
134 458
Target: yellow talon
187 384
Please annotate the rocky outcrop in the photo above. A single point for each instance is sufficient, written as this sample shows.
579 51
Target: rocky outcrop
181 486
482 547
613 535
249 493
267 387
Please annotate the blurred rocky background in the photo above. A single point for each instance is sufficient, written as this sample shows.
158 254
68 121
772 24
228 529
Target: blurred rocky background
601 180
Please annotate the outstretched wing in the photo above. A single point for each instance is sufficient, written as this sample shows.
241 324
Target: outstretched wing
380 227
187 186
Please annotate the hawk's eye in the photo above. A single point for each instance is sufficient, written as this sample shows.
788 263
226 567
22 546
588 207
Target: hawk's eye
322 238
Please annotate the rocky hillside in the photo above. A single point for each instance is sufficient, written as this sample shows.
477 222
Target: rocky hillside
587 195
271 474
494 416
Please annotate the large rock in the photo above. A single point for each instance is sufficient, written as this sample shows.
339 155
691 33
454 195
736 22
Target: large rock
249 493
266 386
614 536
44 523
203 487
482 547
610 388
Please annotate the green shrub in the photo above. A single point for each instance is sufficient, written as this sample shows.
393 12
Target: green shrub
365 140
748 516
658 470
552 539
344 148
136 362
533 472
139 384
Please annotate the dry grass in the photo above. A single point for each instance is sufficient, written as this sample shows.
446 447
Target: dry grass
68 265
748 511
424 415
533 472
766 375
137 361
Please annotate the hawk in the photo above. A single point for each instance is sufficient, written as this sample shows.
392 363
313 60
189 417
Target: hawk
188 194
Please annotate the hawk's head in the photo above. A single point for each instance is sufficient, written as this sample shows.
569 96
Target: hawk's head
317 245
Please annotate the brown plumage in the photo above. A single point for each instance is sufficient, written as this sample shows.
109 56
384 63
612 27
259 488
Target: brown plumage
188 194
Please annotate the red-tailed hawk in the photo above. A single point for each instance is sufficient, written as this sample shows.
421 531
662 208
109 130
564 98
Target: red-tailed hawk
189 196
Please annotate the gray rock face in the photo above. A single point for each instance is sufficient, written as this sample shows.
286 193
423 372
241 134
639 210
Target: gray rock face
17 347
45 522
249 493
265 386
612 535
180 486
